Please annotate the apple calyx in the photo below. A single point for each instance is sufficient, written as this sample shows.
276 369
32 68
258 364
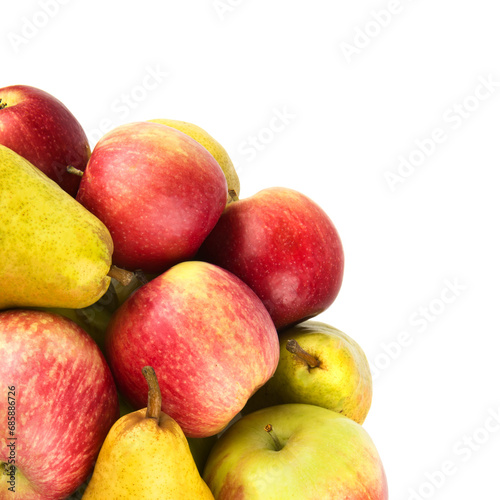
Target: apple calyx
8 469
154 394
74 171
2 104
293 346
269 429
123 276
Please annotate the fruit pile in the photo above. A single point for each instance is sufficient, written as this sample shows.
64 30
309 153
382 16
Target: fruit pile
155 330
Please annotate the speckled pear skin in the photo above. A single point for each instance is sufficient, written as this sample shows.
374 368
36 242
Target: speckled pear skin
342 382
143 458
53 252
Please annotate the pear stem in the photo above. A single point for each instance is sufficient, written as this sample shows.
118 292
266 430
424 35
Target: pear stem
154 394
293 346
123 276
75 171
233 195
269 429
141 277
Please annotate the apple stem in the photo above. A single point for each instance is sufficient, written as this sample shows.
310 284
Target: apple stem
269 429
293 346
233 196
2 104
73 170
121 275
154 394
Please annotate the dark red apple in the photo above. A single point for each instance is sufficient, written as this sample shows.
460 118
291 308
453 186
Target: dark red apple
41 129
157 190
285 247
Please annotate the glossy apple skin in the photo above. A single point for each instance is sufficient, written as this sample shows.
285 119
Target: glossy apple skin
40 128
342 382
208 337
158 191
285 247
324 455
65 402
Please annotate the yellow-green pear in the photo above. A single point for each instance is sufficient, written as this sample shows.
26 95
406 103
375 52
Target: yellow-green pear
53 252
213 147
322 366
146 455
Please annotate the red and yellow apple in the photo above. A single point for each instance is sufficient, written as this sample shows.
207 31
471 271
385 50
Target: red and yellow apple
61 400
157 190
210 339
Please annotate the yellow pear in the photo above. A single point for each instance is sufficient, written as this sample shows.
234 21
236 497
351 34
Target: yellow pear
53 252
213 147
146 455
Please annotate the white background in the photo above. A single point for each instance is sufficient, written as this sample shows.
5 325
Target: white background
354 106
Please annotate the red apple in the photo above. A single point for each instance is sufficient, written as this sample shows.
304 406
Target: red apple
285 247
158 191
209 338
58 402
40 128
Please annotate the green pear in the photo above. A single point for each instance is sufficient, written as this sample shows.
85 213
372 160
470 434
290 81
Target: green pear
200 449
125 406
146 455
124 291
93 319
53 252
322 366
213 147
